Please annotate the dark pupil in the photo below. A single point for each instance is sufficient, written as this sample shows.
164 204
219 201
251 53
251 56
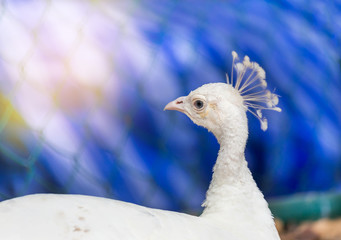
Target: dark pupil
198 104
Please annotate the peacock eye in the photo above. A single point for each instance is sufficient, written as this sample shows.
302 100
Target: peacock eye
198 104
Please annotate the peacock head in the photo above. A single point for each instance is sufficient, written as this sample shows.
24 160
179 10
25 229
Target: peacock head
218 106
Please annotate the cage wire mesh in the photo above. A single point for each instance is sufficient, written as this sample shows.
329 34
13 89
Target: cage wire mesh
83 85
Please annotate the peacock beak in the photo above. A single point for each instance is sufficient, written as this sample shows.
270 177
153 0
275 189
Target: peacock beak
177 104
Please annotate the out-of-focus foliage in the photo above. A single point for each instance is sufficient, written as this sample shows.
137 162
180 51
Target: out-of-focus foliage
83 85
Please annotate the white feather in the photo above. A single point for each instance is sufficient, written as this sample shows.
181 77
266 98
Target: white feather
77 217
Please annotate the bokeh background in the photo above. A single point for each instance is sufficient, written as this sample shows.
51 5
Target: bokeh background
83 85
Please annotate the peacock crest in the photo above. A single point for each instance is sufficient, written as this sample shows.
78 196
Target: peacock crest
251 84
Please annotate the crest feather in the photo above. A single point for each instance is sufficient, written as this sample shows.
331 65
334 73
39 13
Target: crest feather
251 84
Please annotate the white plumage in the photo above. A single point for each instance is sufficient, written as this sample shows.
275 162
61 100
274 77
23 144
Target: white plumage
234 207
77 217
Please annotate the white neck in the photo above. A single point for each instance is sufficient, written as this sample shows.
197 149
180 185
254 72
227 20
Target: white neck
233 197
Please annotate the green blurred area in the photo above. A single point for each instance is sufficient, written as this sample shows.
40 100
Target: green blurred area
306 207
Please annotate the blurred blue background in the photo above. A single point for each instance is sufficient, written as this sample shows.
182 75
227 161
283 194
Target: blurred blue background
83 85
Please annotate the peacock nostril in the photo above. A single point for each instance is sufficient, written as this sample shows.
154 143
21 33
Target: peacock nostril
177 105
